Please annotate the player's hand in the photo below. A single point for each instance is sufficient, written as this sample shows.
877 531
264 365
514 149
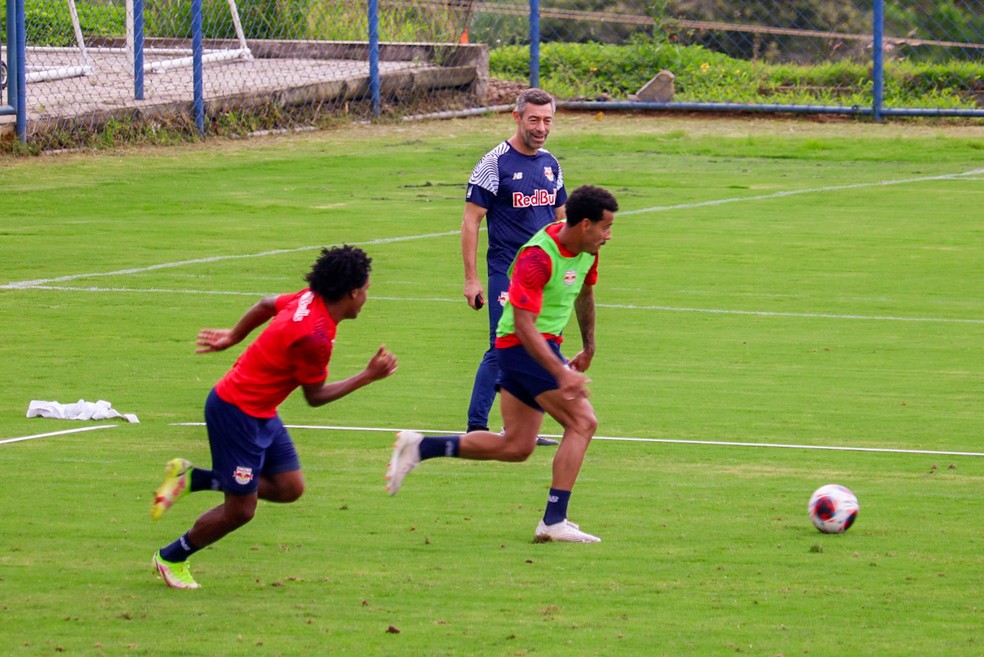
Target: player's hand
382 364
581 361
473 290
573 385
214 340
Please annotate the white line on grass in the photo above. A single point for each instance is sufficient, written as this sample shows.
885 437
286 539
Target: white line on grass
19 285
615 306
43 284
56 433
768 313
147 290
797 192
716 443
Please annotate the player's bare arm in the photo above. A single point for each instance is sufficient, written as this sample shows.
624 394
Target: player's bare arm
584 309
471 221
383 364
210 340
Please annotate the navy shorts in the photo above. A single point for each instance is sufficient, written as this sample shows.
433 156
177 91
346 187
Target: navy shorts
245 447
523 376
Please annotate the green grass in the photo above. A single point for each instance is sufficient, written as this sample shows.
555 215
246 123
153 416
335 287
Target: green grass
847 317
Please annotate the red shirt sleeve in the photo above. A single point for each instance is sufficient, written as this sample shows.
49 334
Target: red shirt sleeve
531 274
592 277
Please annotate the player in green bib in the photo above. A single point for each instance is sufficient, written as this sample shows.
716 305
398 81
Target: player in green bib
552 278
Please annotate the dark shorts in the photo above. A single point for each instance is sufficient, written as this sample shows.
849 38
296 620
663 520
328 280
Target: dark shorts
523 377
245 447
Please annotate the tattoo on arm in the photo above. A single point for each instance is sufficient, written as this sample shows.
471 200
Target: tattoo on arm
584 307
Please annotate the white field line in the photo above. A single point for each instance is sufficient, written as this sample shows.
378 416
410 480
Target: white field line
56 433
738 199
768 313
44 284
615 306
797 192
19 285
715 443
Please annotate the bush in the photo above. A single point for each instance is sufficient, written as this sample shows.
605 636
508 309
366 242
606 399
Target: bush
593 70
48 23
260 19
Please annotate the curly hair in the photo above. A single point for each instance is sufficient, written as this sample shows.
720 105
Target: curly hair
589 202
338 271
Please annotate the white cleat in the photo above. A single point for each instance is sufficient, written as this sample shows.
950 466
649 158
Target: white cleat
564 531
406 457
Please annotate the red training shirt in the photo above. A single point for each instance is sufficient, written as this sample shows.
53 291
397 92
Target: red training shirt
293 350
531 274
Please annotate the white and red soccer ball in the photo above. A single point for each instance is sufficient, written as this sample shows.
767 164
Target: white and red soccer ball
833 509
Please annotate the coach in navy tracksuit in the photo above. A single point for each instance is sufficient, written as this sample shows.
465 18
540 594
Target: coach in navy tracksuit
519 187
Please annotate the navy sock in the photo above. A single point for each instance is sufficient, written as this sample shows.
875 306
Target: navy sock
556 506
179 550
203 480
445 446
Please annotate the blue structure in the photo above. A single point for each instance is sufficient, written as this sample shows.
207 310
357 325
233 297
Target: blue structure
374 56
14 101
16 98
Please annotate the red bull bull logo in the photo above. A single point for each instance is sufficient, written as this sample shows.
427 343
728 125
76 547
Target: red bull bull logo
243 475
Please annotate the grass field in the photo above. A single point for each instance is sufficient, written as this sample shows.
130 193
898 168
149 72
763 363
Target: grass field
812 285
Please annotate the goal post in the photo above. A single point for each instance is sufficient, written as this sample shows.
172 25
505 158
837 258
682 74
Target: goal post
184 56
81 67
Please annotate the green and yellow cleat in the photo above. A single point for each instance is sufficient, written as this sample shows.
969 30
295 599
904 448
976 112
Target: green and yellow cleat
176 481
175 575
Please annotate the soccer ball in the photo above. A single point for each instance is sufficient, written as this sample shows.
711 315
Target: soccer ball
833 509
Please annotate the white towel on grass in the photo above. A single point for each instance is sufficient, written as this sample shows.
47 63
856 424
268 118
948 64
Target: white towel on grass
81 410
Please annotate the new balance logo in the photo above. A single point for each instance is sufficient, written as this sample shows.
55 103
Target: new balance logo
518 175
537 198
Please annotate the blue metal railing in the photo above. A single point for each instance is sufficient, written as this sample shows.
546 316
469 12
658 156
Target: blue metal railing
16 70
876 110
16 82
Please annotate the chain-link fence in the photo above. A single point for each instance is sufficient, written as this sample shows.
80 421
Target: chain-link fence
775 53
268 64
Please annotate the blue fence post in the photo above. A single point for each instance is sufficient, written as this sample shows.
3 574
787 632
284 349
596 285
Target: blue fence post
198 103
374 55
12 55
20 45
534 43
138 50
878 58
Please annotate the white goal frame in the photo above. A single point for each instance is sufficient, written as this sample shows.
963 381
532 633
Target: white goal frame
82 68
241 53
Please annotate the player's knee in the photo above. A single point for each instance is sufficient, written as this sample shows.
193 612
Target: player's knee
292 492
584 424
516 453
238 514
283 489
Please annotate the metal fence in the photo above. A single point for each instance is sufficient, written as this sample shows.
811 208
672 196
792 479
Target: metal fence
80 71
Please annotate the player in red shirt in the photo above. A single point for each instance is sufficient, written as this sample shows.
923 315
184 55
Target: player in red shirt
253 456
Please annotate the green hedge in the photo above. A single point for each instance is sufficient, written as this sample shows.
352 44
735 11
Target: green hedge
49 24
594 70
